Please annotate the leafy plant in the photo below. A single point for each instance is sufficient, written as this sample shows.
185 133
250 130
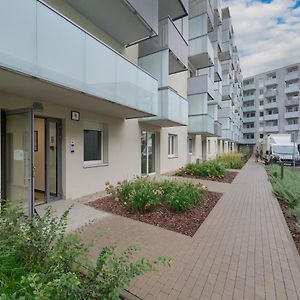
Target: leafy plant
210 168
144 194
40 260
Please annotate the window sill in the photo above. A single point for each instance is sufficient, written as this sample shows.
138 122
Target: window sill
94 165
172 156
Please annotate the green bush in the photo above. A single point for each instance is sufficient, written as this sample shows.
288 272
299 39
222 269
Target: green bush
144 194
286 189
40 261
234 160
210 168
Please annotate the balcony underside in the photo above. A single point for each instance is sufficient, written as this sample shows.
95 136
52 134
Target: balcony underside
41 90
201 61
176 9
201 124
130 22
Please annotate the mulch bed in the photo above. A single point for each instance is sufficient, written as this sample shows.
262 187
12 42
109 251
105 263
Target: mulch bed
186 223
228 178
291 222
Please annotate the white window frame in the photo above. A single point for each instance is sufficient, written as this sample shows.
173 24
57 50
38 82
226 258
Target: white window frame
190 146
94 126
172 145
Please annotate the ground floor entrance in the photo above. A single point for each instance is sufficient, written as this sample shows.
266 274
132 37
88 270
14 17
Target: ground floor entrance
147 153
30 158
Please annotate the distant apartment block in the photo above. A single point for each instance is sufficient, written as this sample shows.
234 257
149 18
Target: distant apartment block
271 104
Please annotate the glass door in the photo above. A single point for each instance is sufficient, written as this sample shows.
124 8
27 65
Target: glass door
147 153
17 154
53 159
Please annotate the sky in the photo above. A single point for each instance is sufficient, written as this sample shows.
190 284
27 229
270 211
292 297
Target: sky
267 33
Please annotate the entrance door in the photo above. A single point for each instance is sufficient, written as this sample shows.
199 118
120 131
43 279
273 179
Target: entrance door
17 157
53 181
147 153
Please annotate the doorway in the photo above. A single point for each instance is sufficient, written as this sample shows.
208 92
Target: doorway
31 158
147 153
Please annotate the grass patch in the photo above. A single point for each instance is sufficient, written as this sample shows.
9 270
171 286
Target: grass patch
144 194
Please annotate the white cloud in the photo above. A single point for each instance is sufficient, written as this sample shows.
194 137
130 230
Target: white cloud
263 42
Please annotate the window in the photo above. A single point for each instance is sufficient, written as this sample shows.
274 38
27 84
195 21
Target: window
261 91
261 136
93 146
208 146
261 113
261 102
292 121
190 146
292 109
172 145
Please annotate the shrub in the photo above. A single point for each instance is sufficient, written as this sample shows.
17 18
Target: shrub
144 194
232 160
210 168
286 189
39 260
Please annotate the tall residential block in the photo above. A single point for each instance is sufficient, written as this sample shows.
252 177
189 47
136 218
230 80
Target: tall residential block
102 91
271 104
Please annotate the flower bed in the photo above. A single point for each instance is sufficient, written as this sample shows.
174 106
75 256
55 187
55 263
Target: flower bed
177 206
208 170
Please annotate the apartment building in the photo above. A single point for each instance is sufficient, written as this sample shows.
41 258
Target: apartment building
271 104
109 90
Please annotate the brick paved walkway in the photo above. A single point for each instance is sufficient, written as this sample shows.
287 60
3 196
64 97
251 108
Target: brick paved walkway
243 250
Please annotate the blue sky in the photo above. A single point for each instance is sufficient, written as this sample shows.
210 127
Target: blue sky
267 33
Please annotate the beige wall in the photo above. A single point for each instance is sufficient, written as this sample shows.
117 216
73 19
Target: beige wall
178 82
123 150
212 147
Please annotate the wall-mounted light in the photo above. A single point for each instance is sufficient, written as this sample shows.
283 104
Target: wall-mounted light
37 107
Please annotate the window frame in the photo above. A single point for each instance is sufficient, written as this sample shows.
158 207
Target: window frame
172 149
97 127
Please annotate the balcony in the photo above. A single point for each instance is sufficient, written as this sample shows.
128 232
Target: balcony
291 76
292 114
249 119
215 36
270 93
249 98
170 38
217 99
217 12
227 51
249 86
271 81
50 58
271 105
217 70
271 117
201 84
292 101
227 135
293 88
292 127
225 112
227 91
271 129
200 7
248 130
248 141
218 129
201 124
172 110
201 52
136 20
176 9
249 108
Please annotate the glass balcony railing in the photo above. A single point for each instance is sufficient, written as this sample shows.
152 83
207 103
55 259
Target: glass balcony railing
248 97
271 117
248 130
248 141
272 128
201 84
249 108
201 52
39 42
201 124
249 119
271 105
270 81
293 88
249 86
291 76
170 38
292 114
218 129
172 110
292 127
